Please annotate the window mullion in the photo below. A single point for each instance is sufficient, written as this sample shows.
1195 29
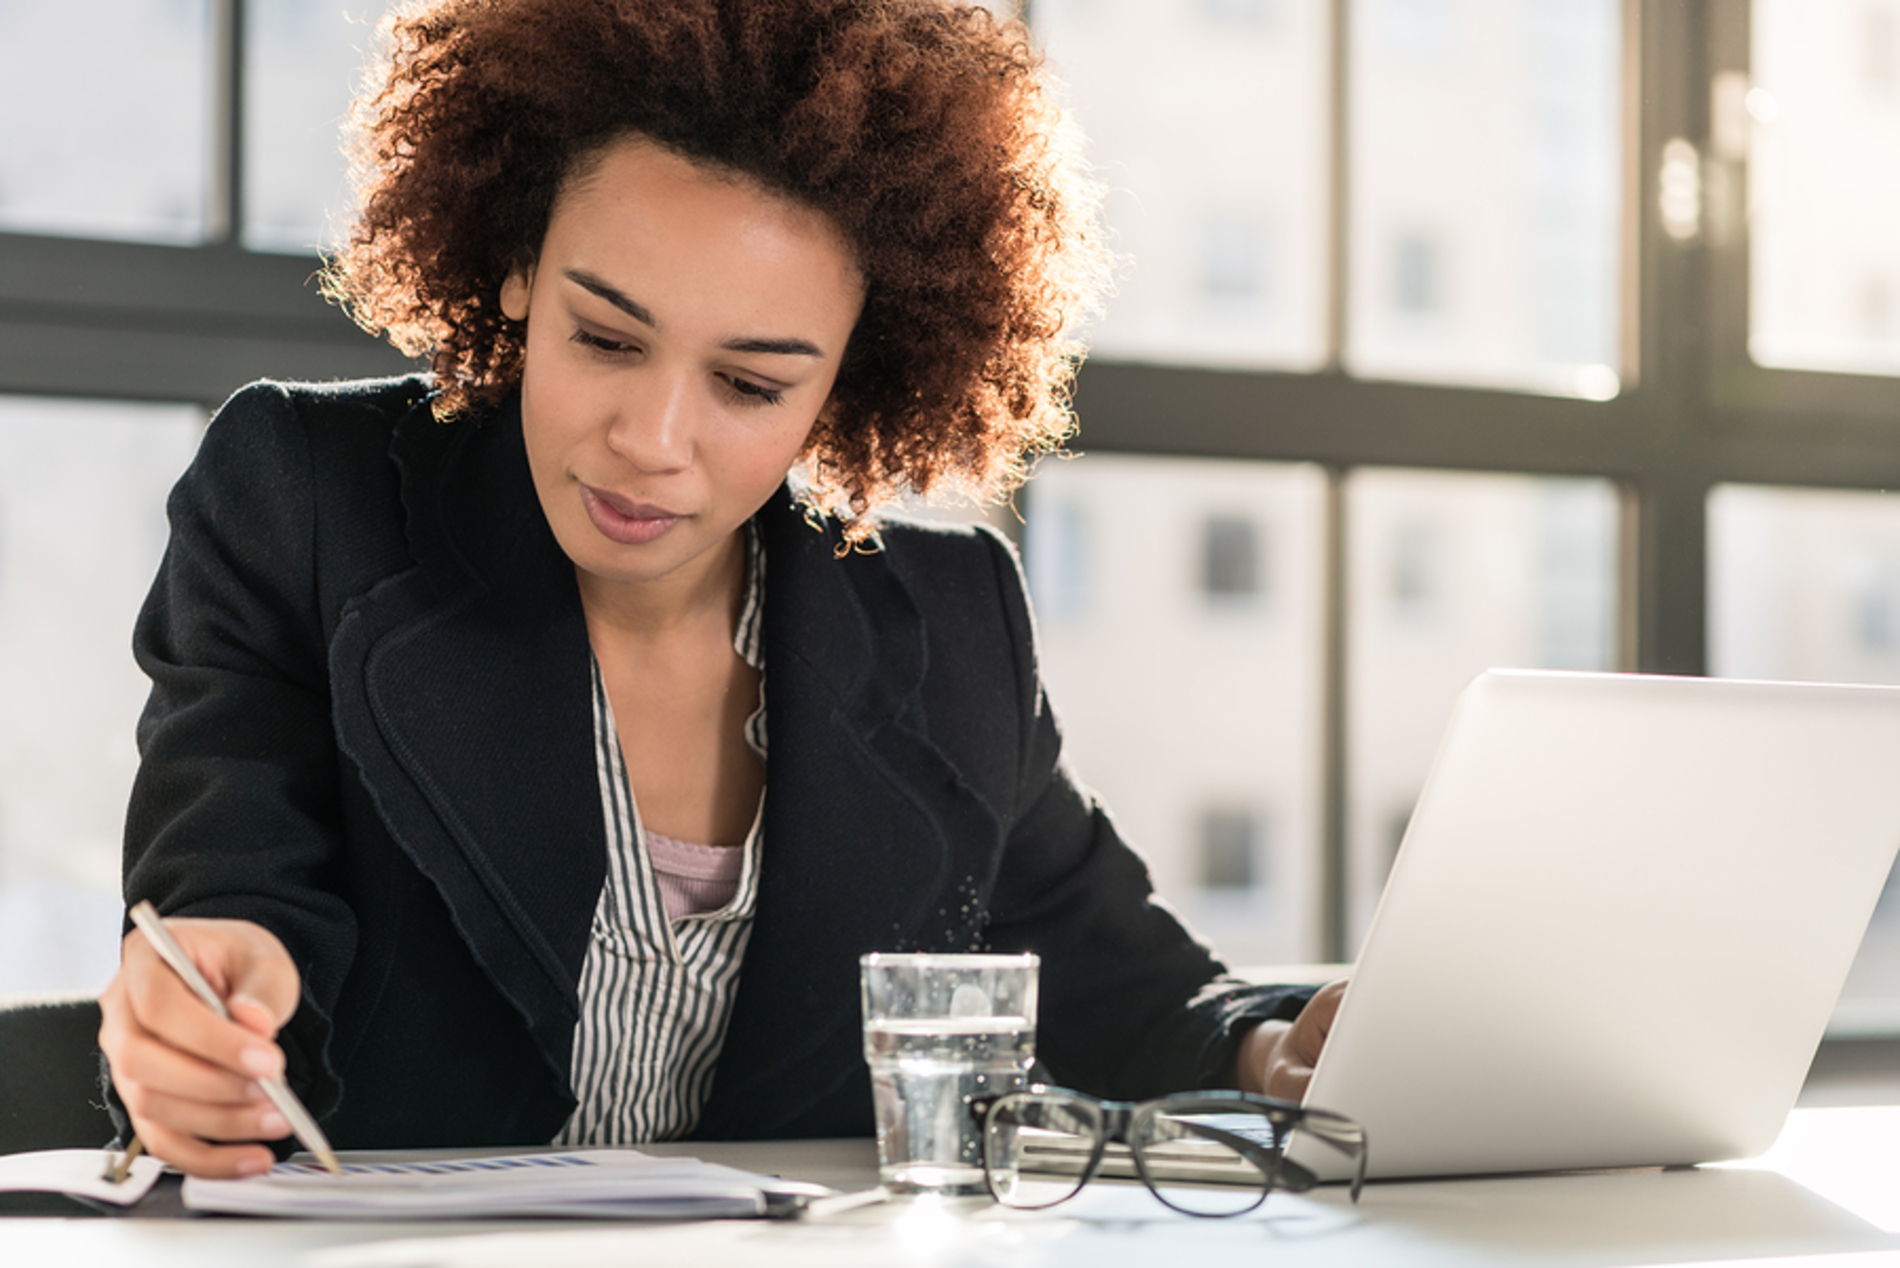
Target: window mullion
224 220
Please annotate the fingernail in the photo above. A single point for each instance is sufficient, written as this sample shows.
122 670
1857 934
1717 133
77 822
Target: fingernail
272 1124
248 1166
258 1062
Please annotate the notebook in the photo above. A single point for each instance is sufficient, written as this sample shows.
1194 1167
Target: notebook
616 1184
1616 925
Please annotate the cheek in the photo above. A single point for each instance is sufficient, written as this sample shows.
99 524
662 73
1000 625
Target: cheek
554 409
769 456
546 418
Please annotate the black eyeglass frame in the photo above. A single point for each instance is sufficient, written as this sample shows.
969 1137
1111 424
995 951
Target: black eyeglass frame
1115 1122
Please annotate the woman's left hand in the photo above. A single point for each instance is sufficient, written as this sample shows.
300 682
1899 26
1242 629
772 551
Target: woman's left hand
1277 1057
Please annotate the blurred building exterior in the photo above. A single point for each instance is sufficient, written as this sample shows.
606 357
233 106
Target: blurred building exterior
1181 601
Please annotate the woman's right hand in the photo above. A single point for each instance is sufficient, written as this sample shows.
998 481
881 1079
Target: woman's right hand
189 1078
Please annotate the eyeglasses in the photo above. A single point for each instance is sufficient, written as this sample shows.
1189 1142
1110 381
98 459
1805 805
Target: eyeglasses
1218 1152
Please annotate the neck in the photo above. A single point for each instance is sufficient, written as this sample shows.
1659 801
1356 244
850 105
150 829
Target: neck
709 588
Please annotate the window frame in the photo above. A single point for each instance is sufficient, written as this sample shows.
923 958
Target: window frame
1749 399
106 319
140 321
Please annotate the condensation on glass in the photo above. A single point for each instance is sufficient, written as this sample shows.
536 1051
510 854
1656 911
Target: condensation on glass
1207 123
1823 123
1484 193
1449 574
82 525
1179 605
306 59
1804 585
109 110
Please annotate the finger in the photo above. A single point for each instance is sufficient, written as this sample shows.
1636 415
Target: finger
244 962
138 1058
162 1005
207 1122
1326 1003
255 1017
1315 1022
1289 1081
201 1158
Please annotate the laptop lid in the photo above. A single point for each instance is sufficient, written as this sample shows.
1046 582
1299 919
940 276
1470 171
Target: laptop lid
1616 924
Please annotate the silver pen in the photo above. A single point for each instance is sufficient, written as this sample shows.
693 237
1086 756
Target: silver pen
309 1135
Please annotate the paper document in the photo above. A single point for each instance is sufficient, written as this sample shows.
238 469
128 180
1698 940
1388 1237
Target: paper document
603 1183
78 1173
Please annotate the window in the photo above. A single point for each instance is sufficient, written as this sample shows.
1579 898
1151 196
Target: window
109 121
1186 701
1821 115
1056 541
303 59
1564 332
1207 122
1449 574
1484 197
1804 584
82 525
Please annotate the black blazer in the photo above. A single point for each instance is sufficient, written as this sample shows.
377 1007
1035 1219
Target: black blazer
370 731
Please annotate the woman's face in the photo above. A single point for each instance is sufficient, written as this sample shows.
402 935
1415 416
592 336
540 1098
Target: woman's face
684 327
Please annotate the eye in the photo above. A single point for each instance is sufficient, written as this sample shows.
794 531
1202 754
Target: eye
746 392
597 343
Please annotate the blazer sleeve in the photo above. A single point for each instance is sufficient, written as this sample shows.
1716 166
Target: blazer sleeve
234 811
1132 1004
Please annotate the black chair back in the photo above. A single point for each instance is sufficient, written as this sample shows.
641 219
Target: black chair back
50 1096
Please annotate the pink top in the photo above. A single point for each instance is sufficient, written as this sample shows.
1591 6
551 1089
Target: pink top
693 879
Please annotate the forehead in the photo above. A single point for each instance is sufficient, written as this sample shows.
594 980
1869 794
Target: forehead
632 189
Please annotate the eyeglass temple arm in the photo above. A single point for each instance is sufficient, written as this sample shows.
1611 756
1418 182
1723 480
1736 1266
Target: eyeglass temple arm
1288 1174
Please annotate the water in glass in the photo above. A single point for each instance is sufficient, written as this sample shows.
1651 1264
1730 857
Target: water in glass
923 1072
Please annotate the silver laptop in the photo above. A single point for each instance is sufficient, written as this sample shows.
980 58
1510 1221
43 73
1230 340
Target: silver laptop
1616 925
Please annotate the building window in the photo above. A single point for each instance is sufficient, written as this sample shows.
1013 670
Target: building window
1416 281
1240 12
1233 260
1233 567
1057 545
1233 849
1877 603
1412 576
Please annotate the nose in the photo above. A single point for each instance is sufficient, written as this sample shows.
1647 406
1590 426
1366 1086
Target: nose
652 428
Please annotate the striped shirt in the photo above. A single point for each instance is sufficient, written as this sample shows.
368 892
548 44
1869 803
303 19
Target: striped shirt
655 994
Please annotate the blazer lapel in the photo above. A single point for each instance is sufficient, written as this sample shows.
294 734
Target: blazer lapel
462 695
872 839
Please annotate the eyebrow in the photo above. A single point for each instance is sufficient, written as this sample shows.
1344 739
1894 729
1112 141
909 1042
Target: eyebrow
785 347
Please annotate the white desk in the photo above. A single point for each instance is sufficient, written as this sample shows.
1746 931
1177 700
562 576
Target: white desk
1828 1196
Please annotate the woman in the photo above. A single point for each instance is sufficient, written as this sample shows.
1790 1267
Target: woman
527 759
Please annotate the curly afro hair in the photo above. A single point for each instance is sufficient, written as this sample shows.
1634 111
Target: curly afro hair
923 128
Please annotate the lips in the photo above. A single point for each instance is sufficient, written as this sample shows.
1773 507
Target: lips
626 520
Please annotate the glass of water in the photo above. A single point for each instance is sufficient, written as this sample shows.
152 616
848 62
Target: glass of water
938 1031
